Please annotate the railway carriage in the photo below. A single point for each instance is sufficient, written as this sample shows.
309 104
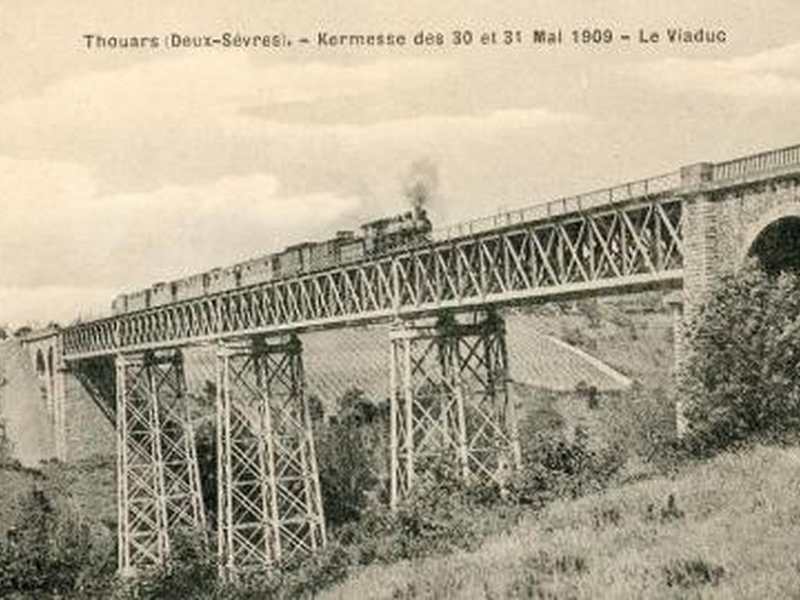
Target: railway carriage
256 270
296 259
190 287
221 280
376 238
139 300
162 293
324 255
119 306
351 249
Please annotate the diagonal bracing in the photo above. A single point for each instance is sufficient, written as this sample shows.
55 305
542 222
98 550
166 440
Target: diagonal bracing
157 474
270 507
635 243
449 401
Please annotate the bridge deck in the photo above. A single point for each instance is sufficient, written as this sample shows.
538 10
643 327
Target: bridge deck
626 237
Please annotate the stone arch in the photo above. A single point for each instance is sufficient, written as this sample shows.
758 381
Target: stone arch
774 240
41 365
51 367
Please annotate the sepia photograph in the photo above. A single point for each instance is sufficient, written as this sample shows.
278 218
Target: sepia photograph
399 300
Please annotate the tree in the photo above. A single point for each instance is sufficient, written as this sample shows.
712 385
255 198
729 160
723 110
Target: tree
349 453
741 379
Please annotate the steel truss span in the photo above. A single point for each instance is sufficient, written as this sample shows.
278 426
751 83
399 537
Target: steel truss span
157 475
633 244
270 507
449 402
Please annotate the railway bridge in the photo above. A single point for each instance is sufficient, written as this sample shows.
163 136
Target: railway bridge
447 356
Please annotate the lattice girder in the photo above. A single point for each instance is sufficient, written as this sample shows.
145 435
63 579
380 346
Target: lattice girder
637 243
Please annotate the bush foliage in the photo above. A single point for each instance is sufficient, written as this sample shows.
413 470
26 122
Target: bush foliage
740 380
49 552
350 451
52 555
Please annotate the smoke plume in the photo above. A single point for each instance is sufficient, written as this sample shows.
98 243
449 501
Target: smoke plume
422 183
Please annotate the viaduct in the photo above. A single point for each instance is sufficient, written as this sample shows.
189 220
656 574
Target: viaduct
447 352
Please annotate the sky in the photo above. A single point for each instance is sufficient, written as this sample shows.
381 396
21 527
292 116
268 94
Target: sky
123 167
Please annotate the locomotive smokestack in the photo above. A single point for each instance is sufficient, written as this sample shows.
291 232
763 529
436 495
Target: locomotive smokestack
422 183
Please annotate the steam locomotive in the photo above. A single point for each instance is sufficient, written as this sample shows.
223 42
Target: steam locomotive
374 239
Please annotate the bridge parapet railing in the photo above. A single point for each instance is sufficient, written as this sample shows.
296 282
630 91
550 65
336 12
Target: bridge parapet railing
757 163
563 206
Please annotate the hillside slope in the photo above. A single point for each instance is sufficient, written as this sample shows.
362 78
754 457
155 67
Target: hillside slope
733 531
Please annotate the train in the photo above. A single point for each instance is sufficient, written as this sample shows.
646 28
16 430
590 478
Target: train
374 239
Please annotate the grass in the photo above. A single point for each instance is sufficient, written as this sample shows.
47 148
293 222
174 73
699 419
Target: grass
731 530
15 482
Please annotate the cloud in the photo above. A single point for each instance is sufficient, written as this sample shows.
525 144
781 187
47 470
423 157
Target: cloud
219 82
64 226
417 129
58 231
169 103
769 74
171 119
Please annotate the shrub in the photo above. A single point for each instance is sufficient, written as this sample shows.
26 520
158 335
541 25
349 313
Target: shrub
46 550
310 575
690 573
542 571
556 468
575 336
591 310
438 517
606 517
741 377
441 514
349 451
191 572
